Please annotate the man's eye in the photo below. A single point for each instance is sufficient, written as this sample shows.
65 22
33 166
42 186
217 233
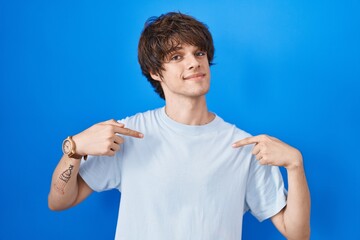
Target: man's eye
175 58
201 53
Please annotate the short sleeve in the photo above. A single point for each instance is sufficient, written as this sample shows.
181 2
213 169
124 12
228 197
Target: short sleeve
265 192
102 173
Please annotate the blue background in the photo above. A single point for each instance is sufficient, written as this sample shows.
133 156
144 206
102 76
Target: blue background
290 69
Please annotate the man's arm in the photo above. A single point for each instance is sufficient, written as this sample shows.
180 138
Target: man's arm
102 139
294 220
67 187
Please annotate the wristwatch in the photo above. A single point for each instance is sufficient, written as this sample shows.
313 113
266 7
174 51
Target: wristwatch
69 148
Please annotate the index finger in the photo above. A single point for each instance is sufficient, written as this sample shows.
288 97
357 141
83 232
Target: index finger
246 141
128 132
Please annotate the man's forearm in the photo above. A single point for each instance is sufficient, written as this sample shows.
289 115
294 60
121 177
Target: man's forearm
297 212
64 187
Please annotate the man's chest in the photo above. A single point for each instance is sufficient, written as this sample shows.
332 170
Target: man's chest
184 170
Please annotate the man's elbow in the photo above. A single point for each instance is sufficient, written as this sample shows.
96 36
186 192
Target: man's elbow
54 205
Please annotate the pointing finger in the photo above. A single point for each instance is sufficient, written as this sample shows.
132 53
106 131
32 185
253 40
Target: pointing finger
246 141
128 132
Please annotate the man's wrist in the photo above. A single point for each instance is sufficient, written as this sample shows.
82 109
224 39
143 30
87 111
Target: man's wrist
296 162
69 149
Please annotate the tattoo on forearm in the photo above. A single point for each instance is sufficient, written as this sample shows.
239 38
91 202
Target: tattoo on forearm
64 179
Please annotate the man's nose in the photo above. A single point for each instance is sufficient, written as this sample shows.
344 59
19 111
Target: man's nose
192 62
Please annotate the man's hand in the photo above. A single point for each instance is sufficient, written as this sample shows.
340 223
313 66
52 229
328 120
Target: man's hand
271 151
103 138
293 221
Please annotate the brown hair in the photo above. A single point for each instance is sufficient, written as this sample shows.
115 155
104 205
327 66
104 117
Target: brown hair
162 35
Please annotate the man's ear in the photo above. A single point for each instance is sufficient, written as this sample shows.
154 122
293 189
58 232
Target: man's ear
155 77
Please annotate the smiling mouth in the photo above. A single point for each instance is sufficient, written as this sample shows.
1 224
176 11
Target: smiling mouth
195 76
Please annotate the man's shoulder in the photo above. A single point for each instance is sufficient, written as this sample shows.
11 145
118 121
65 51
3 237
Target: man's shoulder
141 117
235 129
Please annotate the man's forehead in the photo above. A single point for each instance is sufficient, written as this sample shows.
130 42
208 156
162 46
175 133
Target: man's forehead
181 46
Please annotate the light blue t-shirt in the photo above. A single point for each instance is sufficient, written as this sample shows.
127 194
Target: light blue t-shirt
185 182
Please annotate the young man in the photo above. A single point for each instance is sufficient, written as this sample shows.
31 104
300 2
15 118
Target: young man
183 172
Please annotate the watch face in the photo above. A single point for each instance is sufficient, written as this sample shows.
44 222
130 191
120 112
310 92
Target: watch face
67 147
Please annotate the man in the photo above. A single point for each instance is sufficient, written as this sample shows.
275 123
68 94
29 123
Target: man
183 172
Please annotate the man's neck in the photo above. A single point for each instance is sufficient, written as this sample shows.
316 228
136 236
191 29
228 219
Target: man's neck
189 111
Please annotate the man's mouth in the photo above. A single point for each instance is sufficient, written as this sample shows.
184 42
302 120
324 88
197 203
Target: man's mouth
195 76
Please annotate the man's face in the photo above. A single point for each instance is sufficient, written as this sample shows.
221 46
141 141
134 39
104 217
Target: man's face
186 74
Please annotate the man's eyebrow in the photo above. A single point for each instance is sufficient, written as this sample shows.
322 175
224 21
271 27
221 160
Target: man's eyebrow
174 49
